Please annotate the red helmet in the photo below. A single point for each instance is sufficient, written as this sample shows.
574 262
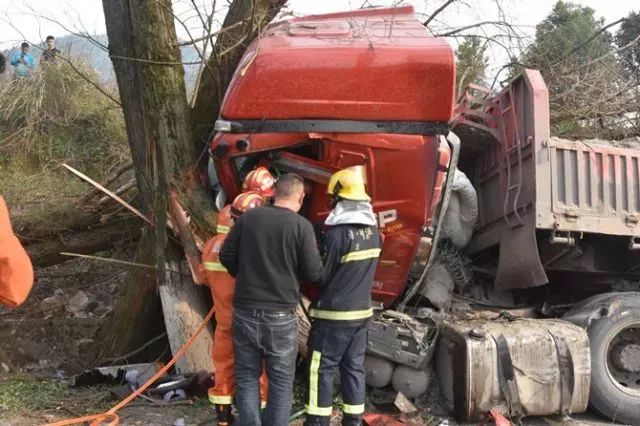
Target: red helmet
261 181
246 201
224 220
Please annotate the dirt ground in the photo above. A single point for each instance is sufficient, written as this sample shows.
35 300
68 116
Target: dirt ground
52 337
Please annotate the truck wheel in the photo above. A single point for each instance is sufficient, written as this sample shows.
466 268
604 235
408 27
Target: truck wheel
615 365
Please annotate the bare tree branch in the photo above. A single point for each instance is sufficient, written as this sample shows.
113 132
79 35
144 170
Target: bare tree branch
437 12
476 25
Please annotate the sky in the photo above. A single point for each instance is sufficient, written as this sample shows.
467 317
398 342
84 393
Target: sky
34 19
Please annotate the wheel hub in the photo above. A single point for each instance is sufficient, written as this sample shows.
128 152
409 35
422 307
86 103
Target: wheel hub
627 357
624 358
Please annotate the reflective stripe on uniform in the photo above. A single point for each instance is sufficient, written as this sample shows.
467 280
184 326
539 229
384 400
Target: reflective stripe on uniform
340 315
221 399
360 255
318 411
222 229
312 407
353 409
214 266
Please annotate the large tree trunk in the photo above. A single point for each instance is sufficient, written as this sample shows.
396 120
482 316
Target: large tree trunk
144 50
180 319
165 150
136 315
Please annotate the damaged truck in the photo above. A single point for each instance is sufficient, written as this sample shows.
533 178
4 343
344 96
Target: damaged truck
510 265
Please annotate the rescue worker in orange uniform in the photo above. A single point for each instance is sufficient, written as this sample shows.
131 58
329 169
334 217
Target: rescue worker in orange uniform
261 181
222 287
16 272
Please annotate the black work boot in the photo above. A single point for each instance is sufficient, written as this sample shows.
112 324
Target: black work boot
317 420
223 414
351 420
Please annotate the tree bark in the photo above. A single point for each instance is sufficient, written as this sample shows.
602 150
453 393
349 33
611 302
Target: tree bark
39 225
137 314
165 148
100 238
154 99
181 316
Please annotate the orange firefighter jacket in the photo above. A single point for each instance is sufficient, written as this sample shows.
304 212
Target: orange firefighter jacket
222 287
16 272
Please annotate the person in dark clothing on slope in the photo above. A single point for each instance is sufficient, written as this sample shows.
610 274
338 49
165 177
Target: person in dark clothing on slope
270 251
50 53
338 337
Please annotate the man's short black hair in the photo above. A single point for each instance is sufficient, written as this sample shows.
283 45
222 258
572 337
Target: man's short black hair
50 38
24 44
288 185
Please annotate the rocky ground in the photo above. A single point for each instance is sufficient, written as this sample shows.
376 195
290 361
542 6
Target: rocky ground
52 337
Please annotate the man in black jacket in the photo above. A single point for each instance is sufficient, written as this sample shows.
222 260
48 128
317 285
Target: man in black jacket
338 337
269 251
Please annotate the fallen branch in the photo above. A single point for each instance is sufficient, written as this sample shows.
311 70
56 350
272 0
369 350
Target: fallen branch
137 351
124 188
108 181
109 193
106 259
92 240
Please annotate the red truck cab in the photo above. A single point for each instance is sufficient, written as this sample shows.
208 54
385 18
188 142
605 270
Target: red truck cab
317 94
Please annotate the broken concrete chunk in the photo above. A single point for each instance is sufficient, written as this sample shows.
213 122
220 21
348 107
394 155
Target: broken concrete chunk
52 304
78 304
403 404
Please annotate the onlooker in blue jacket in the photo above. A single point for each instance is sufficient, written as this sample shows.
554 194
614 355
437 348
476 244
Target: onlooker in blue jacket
23 61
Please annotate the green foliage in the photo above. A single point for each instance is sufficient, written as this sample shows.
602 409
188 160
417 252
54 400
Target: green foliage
568 27
576 58
20 394
471 62
36 401
627 34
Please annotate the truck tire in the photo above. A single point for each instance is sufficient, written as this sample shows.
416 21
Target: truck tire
615 364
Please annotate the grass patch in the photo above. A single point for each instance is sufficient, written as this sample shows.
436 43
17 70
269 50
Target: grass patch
56 116
22 395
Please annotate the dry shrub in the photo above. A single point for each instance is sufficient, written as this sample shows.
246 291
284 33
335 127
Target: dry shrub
56 115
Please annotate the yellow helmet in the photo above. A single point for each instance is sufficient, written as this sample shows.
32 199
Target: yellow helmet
349 184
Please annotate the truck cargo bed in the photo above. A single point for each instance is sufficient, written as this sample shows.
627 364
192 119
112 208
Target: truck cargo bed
531 185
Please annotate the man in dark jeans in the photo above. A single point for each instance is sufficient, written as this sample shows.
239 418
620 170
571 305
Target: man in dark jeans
270 250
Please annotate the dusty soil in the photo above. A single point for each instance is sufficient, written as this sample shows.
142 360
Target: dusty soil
47 341
50 336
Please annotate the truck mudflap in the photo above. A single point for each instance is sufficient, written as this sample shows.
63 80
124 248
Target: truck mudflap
520 367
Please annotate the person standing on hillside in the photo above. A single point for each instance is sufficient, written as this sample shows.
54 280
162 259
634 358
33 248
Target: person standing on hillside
270 250
23 61
50 54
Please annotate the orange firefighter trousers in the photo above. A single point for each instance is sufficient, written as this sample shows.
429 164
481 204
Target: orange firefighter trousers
222 287
16 272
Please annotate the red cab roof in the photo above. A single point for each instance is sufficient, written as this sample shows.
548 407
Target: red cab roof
375 64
